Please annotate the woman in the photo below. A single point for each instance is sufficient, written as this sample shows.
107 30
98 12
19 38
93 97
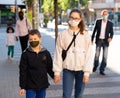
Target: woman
77 65
22 27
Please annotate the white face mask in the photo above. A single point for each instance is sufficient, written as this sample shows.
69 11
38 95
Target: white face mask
73 22
105 17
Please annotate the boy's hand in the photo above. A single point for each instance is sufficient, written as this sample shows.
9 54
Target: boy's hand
22 92
56 79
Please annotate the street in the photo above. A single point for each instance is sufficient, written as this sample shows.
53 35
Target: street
98 87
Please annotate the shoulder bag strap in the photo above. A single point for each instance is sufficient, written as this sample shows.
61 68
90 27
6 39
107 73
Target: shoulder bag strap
74 37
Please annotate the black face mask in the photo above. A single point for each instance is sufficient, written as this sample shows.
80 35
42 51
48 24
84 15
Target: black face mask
21 17
34 44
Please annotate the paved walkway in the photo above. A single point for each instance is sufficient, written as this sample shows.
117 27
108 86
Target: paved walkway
98 87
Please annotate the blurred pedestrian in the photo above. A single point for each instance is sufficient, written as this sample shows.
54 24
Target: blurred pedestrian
10 42
22 27
77 65
103 30
35 63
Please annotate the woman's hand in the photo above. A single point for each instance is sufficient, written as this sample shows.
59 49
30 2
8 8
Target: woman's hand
85 79
16 38
22 92
56 79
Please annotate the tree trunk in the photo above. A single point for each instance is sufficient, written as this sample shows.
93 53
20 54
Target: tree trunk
35 14
56 18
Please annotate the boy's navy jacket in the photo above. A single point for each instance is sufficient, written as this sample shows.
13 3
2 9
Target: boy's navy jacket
34 68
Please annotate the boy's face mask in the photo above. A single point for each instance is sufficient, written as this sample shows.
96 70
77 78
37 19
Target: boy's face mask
34 43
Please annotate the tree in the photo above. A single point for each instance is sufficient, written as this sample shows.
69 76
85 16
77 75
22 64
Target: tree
52 6
35 14
34 4
84 2
56 18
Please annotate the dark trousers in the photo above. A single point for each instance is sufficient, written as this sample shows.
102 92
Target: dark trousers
101 44
23 42
36 93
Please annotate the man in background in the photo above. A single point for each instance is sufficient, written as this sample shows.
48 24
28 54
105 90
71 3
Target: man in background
103 31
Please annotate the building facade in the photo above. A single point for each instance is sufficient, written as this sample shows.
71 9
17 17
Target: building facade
9 10
113 6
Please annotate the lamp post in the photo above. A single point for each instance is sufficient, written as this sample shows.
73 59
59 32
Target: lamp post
0 17
40 6
91 11
26 9
78 4
16 10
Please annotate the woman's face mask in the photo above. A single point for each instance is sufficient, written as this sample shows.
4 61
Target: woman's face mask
21 17
73 22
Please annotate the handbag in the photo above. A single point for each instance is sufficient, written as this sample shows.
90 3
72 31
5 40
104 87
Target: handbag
64 52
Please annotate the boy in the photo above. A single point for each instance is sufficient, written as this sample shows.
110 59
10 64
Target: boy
35 63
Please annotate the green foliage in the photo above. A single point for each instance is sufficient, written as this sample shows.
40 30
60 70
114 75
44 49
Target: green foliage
63 4
30 16
84 2
48 6
28 2
46 19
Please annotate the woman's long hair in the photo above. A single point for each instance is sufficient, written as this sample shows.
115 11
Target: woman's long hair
81 25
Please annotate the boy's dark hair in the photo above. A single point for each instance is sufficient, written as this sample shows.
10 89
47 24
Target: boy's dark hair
10 28
35 31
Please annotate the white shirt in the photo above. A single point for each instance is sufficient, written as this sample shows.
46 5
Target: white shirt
103 28
22 27
10 39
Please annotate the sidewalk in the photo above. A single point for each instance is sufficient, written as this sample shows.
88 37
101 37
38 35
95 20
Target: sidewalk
98 87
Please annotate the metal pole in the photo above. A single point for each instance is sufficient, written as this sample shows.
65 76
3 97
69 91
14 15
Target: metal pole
26 9
40 6
0 17
16 10
78 4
